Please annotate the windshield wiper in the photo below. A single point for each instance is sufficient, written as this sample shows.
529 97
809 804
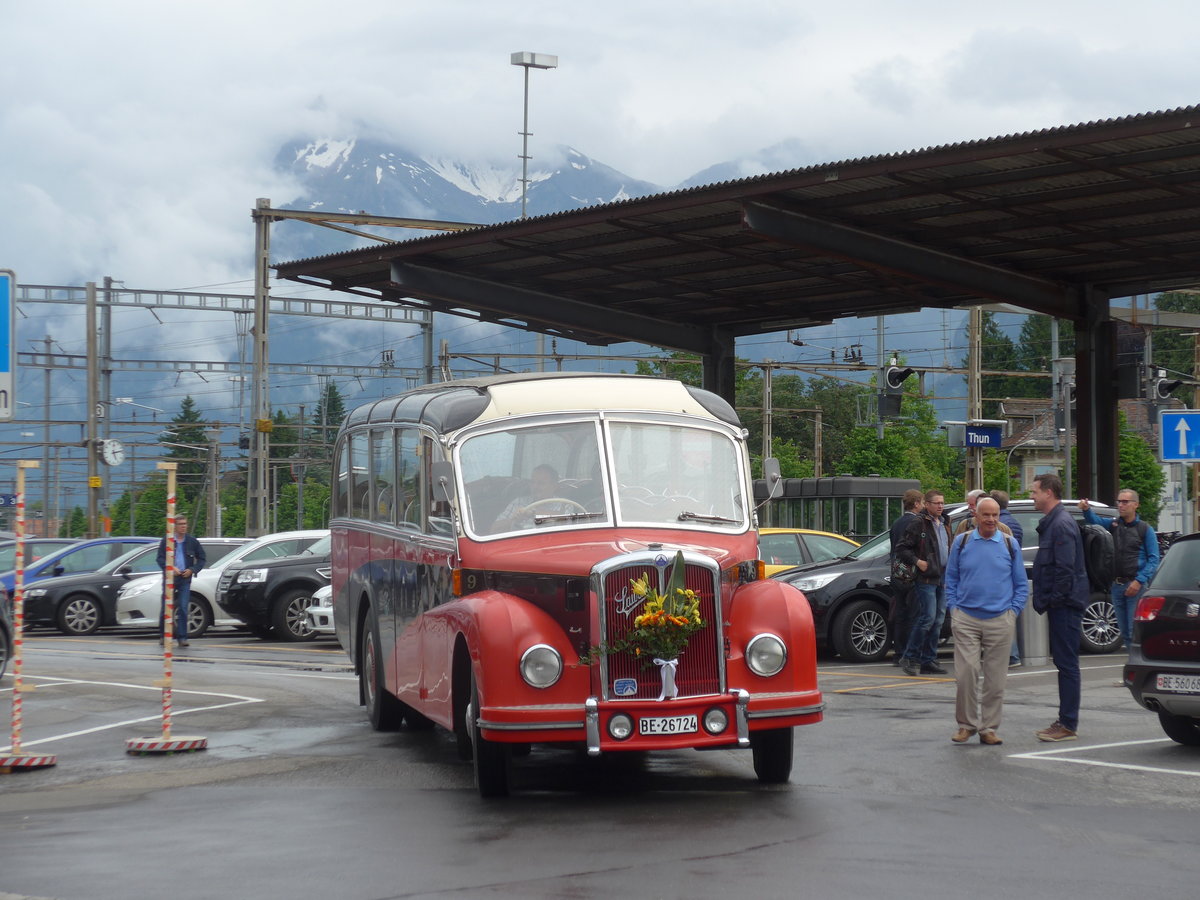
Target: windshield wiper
685 516
567 517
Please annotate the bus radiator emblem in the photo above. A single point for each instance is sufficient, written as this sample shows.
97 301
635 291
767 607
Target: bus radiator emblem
625 687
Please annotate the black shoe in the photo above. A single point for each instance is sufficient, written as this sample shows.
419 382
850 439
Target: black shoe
932 668
910 666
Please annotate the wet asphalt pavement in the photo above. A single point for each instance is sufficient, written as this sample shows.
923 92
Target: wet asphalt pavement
297 797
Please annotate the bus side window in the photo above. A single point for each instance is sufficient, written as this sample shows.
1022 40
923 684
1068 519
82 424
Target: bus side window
341 490
409 466
383 470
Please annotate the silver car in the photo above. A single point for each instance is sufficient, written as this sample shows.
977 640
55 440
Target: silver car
138 602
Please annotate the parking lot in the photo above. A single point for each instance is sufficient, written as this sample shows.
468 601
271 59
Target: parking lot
297 797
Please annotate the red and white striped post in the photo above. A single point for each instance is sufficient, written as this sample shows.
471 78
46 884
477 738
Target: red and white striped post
166 743
16 759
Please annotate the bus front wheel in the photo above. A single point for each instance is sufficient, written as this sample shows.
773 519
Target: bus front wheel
492 759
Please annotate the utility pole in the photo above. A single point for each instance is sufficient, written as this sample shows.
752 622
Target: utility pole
260 433
93 384
974 473
214 495
300 472
46 444
768 405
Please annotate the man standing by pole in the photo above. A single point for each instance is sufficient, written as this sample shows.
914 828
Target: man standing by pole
1060 592
189 559
985 592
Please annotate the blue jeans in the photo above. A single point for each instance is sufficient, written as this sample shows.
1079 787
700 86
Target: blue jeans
1066 627
1124 607
183 597
929 612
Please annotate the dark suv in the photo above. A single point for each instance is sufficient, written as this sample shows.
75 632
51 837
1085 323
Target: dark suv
1163 672
272 596
850 596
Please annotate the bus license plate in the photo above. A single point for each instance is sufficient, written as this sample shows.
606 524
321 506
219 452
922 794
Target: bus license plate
667 724
1179 684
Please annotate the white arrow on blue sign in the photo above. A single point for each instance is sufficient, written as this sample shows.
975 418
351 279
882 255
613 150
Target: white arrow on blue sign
1179 435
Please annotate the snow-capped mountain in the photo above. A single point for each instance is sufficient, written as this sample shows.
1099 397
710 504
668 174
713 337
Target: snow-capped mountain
366 175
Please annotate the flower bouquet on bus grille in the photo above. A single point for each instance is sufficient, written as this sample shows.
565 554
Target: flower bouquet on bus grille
660 633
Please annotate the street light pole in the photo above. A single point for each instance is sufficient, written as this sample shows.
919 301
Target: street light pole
527 61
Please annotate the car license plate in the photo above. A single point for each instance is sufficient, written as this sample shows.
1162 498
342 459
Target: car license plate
1179 684
667 724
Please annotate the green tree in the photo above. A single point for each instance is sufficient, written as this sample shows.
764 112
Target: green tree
326 419
1175 349
1139 470
997 352
75 525
187 431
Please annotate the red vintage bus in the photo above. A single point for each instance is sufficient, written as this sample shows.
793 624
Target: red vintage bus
486 537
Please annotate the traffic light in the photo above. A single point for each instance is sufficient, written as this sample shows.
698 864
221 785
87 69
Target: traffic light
892 391
894 378
1163 386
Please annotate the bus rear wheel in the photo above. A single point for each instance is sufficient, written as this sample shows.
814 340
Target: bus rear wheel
385 711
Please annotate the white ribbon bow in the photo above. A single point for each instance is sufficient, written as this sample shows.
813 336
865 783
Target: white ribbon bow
667 672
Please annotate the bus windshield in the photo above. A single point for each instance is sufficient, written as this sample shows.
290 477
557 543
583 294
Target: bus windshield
585 474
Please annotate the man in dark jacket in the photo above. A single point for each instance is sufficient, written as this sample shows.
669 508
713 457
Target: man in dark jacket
1060 592
926 544
1136 548
189 559
900 614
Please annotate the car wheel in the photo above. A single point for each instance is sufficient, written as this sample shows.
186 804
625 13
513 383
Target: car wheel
860 632
772 754
1181 729
385 711
289 616
492 759
78 615
1101 634
200 616
5 651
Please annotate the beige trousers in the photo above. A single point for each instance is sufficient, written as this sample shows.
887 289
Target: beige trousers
981 646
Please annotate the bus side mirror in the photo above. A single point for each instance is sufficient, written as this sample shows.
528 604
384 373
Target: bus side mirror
773 478
443 481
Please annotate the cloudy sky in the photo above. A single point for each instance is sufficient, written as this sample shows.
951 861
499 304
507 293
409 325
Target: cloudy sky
136 135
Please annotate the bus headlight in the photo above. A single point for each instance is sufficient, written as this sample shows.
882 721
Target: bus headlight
766 655
541 666
715 720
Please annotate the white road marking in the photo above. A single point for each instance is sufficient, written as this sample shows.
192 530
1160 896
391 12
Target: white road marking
1058 754
237 700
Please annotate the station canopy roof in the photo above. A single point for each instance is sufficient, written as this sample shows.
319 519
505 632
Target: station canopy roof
1048 221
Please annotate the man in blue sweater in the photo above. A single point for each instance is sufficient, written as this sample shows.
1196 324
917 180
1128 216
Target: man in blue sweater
986 590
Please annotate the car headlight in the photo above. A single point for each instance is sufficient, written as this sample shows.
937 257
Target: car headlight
36 592
541 666
815 582
251 576
766 655
134 589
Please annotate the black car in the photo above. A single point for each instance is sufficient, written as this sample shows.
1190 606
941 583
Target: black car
1163 672
850 596
80 604
6 633
272 596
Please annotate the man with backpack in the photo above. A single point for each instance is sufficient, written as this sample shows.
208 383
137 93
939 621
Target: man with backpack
1135 546
1061 593
985 592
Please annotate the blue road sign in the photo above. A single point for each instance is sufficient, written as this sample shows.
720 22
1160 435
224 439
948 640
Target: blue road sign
8 499
1179 435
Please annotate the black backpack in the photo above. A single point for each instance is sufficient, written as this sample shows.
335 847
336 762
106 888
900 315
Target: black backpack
1099 556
